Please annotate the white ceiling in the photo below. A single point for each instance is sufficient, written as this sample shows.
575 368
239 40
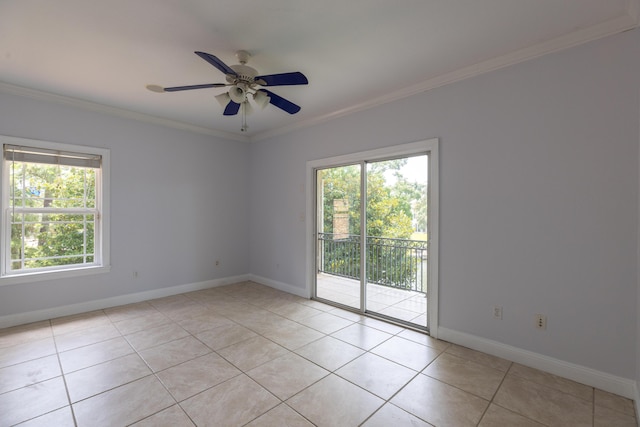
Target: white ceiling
355 53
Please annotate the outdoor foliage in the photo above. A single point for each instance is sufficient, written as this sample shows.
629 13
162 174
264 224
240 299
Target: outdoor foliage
396 208
51 238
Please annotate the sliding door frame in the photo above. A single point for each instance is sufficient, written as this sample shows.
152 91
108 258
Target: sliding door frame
429 147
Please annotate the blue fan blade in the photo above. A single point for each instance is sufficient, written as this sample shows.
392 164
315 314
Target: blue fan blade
282 103
231 109
204 86
216 62
284 79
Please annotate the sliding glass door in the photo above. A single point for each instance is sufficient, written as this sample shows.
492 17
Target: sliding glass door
371 242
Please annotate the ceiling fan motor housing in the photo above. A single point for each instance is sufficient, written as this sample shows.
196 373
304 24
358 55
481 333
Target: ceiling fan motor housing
245 74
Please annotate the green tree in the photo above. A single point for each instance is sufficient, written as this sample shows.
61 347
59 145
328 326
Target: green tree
62 235
391 198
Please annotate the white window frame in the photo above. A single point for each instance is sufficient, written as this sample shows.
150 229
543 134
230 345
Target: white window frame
102 228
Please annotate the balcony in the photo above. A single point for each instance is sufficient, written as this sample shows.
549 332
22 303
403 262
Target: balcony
396 274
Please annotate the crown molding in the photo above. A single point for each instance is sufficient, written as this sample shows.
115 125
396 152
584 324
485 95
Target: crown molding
115 111
623 23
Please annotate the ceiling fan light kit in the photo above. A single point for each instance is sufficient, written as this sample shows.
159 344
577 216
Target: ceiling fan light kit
244 80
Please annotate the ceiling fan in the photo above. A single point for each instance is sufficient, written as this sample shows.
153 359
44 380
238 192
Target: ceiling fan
244 81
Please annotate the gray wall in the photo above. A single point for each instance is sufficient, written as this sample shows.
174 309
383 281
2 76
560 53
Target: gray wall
538 198
178 202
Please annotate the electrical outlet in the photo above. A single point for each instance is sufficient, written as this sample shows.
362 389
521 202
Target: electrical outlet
541 321
497 312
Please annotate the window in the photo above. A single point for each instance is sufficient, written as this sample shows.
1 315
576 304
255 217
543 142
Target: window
54 216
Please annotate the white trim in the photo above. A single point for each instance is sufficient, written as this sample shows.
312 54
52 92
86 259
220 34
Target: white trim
41 276
281 286
83 307
591 377
427 146
636 402
116 111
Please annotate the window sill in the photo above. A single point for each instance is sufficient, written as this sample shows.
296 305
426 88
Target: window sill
52 275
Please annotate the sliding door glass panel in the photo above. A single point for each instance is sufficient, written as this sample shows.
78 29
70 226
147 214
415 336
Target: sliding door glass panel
396 238
338 260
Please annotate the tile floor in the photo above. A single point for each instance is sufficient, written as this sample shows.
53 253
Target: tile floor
248 355
408 306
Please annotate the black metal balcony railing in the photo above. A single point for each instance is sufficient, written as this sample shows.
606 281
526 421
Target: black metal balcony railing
397 263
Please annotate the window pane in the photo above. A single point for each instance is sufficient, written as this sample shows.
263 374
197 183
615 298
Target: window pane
53 239
52 186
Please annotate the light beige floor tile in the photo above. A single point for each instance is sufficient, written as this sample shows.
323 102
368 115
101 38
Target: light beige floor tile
268 323
376 374
398 313
423 338
59 418
142 323
173 416
25 333
317 305
26 351
171 302
466 375
232 403
346 314
281 415
500 417
605 417
615 402
287 375
479 357
226 335
206 321
33 401
390 415
329 352
129 311
350 405
77 322
326 323
295 311
184 311
94 354
561 384
543 404
173 353
105 376
194 376
382 326
294 335
123 405
252 352
155 336
407 353
85 337
361 336
440 404
28 373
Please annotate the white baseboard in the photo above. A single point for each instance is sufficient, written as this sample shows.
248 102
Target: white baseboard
591 377
281 286
636 399
83 307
